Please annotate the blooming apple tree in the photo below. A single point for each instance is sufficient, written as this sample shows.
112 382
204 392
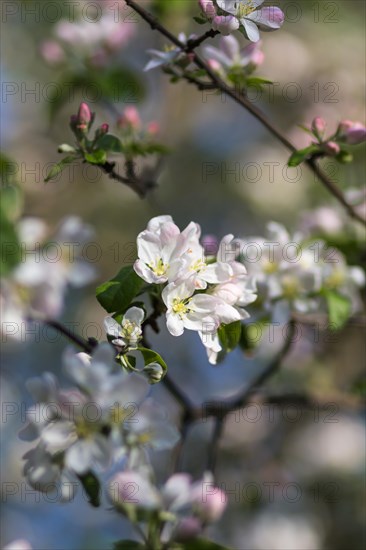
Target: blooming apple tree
214 287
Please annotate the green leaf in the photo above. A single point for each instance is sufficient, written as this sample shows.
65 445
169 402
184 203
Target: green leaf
109 142
257 82
151 356
200 20
202 544
303 154
128 545
8 171
118 293
9 243
251 334
136 148
96 157
339 309
92 488
59 167
229 335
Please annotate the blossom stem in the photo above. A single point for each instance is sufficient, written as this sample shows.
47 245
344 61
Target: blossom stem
244 102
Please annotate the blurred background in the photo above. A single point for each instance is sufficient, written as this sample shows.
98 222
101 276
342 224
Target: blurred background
295 476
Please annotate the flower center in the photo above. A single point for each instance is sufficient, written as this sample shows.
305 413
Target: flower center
130 329
290 286
179 307
270 267
335 280
243 10
160 267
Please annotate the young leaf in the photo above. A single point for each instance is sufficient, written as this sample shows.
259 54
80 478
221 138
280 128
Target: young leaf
303 154
9 242
339 309
200 20
92 488
96 157
118 293
57 168
109 142
229 335
151 356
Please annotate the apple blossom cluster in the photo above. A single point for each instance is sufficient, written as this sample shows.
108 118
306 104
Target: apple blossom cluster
335 145
92 38
182 507
200 292
227 16
235 64
106 416
299 273
49 264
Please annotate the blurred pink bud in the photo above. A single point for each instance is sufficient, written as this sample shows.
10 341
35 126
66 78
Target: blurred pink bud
210 500
130 119
104 128
253 54
52 52
208 8
214 65
153 128
144 496
84 114
331 148
188 528
210 245
225 24
318 126
352 133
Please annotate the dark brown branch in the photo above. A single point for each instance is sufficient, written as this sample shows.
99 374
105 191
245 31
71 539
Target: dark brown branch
140 187
244 102
195 42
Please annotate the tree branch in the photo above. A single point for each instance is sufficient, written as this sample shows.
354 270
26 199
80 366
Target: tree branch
140 187
243 101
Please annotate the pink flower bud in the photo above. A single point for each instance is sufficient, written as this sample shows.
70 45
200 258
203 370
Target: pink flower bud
131 488
225 24
84 114
210 501
318 126
104 128
210 245
352 133
188 528
130 119
208 8
52 52
331 148
214 65
153 128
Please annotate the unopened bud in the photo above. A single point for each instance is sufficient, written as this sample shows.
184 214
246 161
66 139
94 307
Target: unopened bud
318 126
130 119
84 114
153 372
102 130
214 65
208 8
153 128
331 148
188 528
66 148
352 133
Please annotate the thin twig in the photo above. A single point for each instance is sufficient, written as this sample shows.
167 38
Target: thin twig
242 100
214 444
140 187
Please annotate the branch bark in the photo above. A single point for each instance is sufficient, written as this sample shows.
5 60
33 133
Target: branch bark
243 101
